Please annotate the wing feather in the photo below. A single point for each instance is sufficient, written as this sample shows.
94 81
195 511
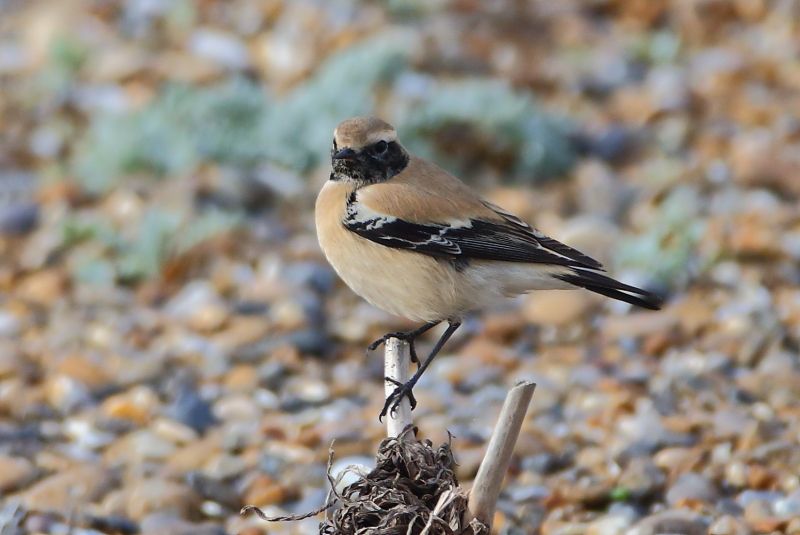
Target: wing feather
506 238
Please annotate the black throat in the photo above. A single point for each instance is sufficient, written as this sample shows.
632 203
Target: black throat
369 168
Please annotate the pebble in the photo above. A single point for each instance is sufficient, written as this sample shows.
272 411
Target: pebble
42 287
284 55
347 470
219 47
59 492
672 521
139 446
242 378
645 428
192 299
555 307
15 472
10 361
264 491
113 524
10 326
309 341
527 493
691 487
224 466
88 371
614 145
641 478
236 407
736 474
728 423
151 495
788 506
66 394
212 489
173 431
668 88
759 516
288 315
728 525
194 454
749 496
208 318
191 410
137 405
609 525
85 434
166 523
18 219
310 391
241 333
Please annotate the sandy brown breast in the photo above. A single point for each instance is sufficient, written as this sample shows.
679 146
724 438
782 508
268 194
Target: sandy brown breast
405 283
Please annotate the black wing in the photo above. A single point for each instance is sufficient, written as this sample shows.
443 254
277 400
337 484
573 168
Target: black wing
508 240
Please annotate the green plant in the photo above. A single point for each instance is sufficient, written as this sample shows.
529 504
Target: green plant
488 116
106 254
666 248
300 126
184 126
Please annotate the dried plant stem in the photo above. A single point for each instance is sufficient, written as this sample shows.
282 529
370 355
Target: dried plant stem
486 488
397 365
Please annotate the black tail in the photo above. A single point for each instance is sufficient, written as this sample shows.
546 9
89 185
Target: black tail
612 288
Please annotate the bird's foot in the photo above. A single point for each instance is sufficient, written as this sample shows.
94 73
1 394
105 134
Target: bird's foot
403 390
382 340
404 336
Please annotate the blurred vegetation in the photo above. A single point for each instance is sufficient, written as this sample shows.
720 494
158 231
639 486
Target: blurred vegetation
492 123
666 249
235 123
223 123
238 125
301 125
109 254
67 55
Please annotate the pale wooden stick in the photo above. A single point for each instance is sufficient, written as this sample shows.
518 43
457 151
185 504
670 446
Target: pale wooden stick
486 488
397 365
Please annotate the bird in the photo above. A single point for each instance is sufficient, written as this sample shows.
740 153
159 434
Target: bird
417 242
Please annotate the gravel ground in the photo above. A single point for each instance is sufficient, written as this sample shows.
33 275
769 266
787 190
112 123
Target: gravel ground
172 349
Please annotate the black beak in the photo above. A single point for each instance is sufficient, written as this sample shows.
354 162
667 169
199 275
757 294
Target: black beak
345 154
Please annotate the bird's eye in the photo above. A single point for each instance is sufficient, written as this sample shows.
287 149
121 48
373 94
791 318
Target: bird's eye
380 147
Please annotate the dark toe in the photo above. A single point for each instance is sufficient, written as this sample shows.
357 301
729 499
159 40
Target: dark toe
396 397
412 400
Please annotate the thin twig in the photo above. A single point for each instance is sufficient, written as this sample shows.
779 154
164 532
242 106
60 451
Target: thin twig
486 488
329 502
331 482
288 518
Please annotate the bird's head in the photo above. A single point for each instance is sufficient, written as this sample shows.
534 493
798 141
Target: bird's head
366 150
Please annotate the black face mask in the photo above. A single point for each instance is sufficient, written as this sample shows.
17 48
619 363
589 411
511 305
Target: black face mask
374 163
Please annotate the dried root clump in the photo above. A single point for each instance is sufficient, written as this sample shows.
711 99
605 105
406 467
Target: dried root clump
412 490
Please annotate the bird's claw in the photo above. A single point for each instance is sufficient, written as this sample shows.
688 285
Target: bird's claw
382 340
396 397
400 336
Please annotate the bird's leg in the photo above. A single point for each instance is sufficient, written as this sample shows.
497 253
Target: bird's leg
406 389
408 336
